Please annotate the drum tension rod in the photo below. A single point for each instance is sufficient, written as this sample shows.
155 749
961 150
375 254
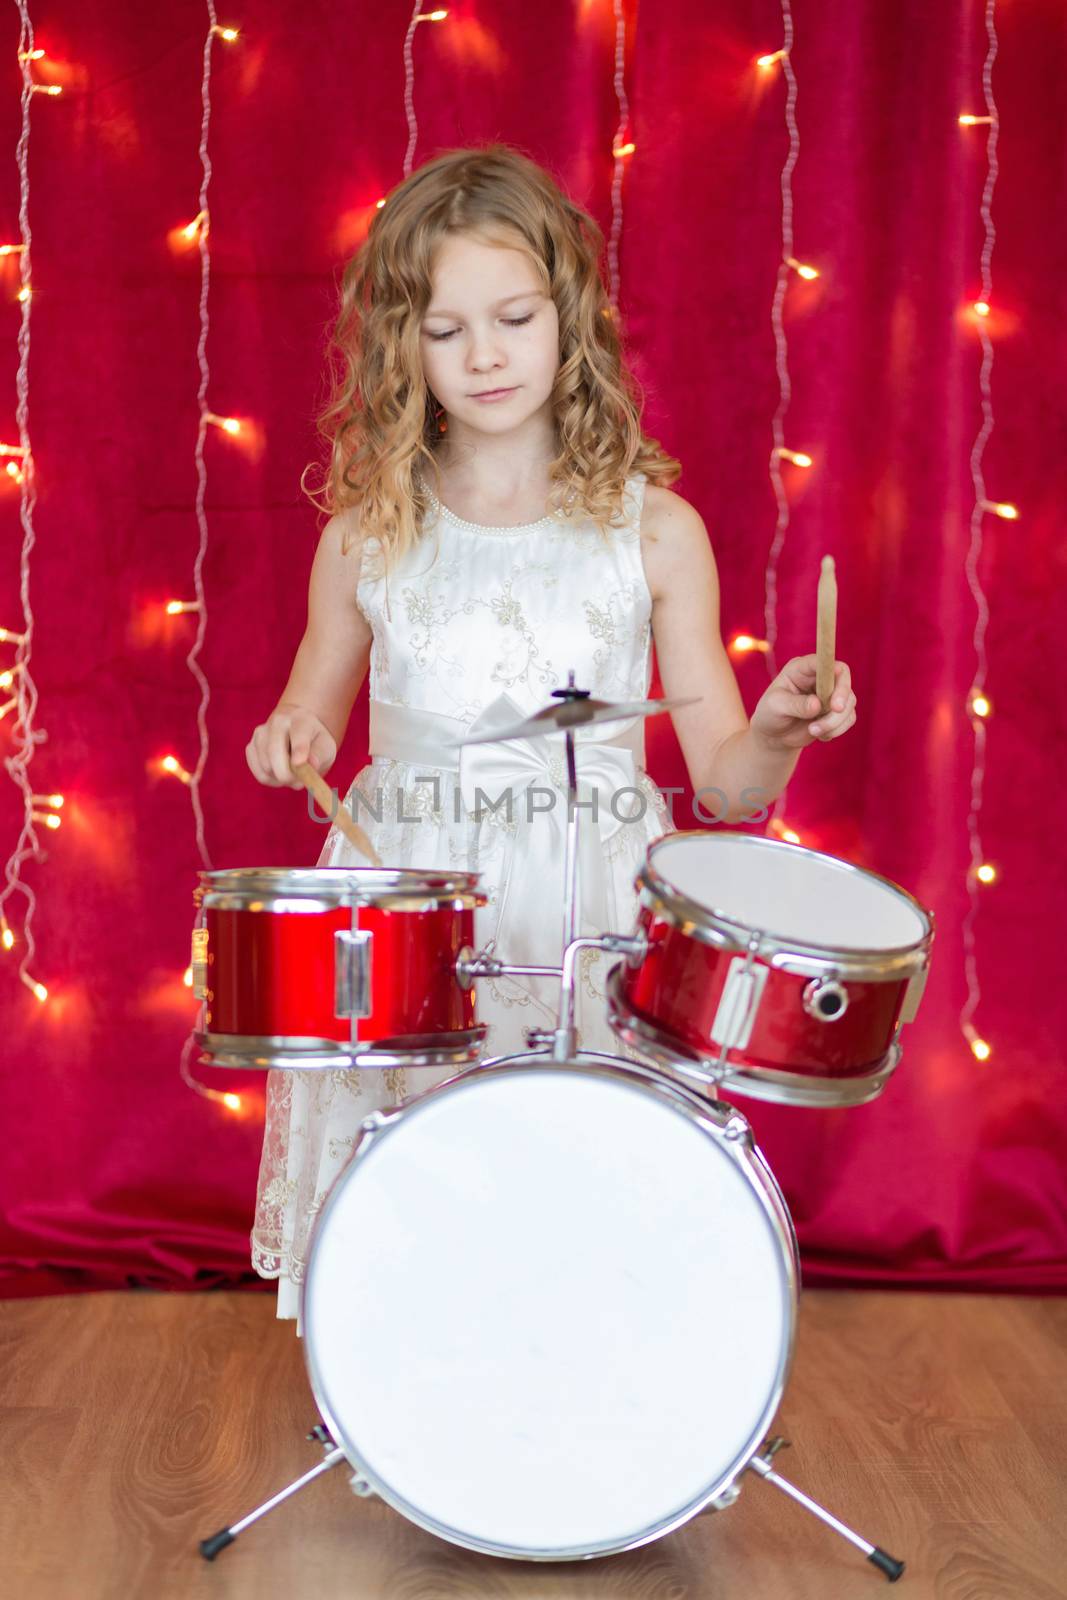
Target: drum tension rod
761 1465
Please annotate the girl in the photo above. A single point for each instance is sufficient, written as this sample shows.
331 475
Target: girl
498 518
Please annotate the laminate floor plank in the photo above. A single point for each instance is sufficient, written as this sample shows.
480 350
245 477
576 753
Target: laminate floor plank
133 1425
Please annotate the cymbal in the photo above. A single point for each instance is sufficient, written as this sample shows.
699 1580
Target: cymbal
565 714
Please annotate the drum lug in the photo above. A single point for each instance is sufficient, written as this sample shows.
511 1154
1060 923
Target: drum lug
200 962
727 1498
738 1130
360 1486
351 972
825 999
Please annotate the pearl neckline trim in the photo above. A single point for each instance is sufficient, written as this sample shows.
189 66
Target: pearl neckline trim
485 527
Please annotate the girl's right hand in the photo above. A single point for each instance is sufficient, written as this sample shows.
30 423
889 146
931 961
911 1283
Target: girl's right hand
289 735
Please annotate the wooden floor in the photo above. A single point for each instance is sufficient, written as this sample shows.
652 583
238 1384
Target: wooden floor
132 1425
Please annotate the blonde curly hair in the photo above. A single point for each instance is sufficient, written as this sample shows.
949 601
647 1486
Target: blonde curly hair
381 419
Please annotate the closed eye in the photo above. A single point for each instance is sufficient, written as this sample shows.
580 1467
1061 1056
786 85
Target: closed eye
512 322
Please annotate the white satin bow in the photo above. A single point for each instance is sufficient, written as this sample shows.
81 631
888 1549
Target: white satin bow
529 928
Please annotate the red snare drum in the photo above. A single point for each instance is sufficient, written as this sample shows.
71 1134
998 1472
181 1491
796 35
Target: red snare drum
775 970
332 967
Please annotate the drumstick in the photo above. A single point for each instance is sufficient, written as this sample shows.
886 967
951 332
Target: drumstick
324 795
825 633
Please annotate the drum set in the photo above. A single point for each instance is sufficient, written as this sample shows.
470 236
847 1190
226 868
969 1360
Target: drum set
550 1304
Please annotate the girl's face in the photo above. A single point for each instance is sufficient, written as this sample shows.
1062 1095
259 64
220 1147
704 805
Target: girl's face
489 326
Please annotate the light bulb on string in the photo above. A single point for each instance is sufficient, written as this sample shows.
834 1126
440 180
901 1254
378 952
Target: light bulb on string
797 457
37 989
986 873
1002 508
802 269
172 765
767 62
52 89
177 608
48 818
969 121
9 636
745 644
623 150
981 706
229 425
229 34
982 308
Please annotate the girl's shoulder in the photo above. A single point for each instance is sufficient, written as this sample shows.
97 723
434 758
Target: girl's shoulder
670 527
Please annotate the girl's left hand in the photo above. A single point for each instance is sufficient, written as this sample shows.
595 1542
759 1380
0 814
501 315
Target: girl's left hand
789 717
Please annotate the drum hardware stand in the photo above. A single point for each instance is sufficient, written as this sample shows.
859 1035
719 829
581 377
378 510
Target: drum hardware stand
209 1548
761 1464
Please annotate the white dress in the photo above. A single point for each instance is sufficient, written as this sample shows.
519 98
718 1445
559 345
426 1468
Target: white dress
481 624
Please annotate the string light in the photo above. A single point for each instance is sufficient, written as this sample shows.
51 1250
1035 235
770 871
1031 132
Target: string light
977 700
981 308
801 269
231 1101
620 149
191 229
229 34
743 644
172 765
25 736
417 16
788 263
967 121
176 608
227 424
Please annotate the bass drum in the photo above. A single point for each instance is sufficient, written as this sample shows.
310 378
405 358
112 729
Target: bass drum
549 1306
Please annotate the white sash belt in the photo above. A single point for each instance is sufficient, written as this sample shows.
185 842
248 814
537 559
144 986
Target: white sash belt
530 917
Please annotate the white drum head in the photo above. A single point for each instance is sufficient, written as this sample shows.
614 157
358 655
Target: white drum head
549 1310
789 892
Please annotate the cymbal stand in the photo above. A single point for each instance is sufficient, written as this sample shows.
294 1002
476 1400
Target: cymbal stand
564 1037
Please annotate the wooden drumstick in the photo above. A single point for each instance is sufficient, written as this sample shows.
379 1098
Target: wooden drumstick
826 633
324 795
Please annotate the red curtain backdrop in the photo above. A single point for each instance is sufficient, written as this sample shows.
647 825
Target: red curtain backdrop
114 1172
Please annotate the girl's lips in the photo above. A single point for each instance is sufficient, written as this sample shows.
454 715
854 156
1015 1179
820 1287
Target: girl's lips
493 394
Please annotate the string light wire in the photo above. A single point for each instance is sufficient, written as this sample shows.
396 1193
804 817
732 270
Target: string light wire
978 705
788 263
24 735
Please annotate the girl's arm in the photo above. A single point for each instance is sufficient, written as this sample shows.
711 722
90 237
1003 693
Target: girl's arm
310 719
722 749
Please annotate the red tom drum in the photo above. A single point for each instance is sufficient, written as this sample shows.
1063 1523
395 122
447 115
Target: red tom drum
334 967
774 970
